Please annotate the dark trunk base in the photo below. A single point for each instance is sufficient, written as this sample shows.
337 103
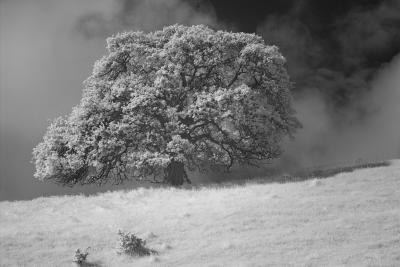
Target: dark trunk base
175 174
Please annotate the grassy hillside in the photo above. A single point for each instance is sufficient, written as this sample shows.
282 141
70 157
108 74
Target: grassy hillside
350 219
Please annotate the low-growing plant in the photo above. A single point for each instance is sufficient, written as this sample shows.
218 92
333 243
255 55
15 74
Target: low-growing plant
80 256
133 246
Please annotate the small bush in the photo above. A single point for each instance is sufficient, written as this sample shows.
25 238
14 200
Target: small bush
80 257
133 246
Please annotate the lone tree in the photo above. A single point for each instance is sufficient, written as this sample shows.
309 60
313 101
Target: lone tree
162 103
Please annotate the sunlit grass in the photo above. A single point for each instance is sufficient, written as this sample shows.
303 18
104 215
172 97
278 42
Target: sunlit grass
351 219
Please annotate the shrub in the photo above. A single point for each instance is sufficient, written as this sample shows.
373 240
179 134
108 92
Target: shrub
80 257
133 246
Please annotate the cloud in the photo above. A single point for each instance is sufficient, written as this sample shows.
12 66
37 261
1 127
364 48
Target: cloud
345 90
296 42
366 36
145 15
325 140
341 60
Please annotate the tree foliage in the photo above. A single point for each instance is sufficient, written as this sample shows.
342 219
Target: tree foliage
161 103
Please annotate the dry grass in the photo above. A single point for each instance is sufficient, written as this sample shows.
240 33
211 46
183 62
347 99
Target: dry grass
351 219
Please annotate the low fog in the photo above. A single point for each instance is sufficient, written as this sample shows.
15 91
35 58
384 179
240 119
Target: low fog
346 78
366 131
346 82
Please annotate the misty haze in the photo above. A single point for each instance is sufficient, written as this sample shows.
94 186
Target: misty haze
199 133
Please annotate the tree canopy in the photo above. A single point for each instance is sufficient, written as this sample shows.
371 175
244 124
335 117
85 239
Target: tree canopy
161 103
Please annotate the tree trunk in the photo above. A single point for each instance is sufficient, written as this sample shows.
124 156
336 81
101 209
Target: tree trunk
175 173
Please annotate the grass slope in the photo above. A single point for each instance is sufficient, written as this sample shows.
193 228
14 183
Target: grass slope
351 219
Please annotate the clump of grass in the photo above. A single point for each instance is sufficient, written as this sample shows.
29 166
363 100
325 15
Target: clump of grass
80 257
134 246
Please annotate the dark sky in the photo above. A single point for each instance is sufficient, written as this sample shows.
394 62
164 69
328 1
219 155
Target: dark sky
341 56
246 15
